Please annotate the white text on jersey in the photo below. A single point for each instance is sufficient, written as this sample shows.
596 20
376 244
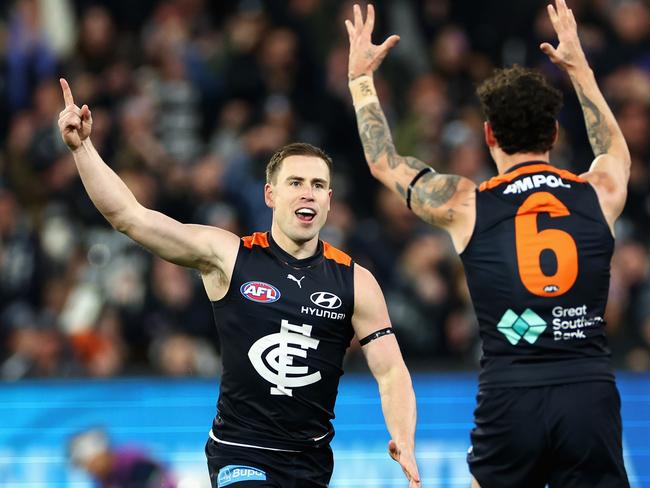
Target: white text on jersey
535 181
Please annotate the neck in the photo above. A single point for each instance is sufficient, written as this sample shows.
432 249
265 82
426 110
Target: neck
506 161
299 250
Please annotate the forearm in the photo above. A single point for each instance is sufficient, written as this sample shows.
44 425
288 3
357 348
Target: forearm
375 135
105 188
605 135
398 406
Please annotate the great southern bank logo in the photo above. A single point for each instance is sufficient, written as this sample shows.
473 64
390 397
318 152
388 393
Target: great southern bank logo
527 326
260 292
234 474
272 357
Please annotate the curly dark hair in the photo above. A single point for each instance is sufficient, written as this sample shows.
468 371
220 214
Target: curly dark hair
522 108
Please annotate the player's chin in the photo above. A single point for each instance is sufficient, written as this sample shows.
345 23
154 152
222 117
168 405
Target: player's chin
308 230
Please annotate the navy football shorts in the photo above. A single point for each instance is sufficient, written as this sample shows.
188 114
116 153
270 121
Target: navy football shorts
566 436
234 466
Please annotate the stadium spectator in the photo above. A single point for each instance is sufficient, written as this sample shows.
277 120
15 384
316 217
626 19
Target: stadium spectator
116 467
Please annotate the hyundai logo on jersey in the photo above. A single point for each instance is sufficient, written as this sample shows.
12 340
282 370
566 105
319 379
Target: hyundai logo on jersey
260 292
326 299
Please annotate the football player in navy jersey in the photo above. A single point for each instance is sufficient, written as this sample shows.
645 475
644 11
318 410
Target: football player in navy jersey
286 306
536 243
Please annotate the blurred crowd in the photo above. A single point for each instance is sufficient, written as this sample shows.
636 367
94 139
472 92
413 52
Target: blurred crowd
189 100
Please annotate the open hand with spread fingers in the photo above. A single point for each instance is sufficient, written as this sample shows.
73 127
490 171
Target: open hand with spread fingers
75 123
365 57
407 462
568 54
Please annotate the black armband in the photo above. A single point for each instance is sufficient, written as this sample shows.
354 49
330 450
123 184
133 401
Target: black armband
376 335
415 179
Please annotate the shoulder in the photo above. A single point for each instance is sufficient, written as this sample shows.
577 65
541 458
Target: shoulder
366 287
259 239
336 255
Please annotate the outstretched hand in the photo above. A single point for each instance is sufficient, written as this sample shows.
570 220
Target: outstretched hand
75 123
568 54
407 462
365 57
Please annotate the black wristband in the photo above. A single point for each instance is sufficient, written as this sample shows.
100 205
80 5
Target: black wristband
376 335
415 179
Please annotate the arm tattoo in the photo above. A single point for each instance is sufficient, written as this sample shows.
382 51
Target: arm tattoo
377 141
432 191
374 132
600 136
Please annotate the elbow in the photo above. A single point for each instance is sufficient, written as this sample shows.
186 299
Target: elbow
120 221
377 167
126 217
120 225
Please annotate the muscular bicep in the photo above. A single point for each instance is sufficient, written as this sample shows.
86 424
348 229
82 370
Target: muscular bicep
201 247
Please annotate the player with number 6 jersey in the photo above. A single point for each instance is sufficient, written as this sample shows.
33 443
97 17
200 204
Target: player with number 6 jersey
541 307
536 243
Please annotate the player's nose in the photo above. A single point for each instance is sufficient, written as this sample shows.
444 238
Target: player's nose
308 193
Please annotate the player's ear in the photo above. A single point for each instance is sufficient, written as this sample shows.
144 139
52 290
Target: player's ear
268 195
329 199
556 136
490 140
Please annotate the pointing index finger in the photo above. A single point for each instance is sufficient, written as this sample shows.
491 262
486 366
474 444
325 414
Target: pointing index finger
67 93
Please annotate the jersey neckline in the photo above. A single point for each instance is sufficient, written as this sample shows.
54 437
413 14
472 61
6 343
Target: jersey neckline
525 163
293 261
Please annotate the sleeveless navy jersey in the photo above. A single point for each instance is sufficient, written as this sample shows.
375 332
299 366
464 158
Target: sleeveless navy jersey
284 326
537 267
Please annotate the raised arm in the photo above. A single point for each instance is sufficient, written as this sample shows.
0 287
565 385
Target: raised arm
443 200
371 322
208 249
610 171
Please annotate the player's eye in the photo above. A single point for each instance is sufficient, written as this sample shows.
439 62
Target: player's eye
295 183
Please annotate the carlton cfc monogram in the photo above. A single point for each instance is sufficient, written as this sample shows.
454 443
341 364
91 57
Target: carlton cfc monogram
272 357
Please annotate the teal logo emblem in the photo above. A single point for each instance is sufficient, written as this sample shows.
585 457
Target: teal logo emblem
234 474
528 326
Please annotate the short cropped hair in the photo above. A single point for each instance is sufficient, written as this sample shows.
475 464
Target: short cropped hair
522 109
294 149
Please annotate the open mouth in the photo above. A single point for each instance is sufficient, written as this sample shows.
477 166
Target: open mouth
306 214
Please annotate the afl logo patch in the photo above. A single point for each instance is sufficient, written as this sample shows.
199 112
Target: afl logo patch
260 292
326 299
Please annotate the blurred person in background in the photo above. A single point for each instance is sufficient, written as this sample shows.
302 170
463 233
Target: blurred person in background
273 417
116 466
36 346
536 243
